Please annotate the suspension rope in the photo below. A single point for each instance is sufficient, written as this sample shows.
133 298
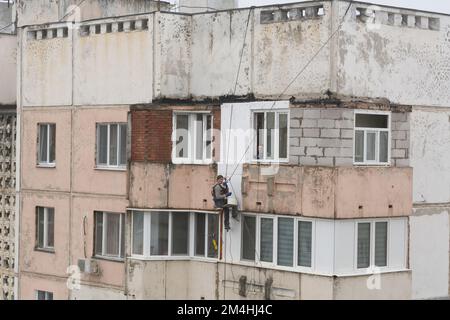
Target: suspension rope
296 77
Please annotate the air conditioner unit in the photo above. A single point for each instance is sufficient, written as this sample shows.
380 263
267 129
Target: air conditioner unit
88 266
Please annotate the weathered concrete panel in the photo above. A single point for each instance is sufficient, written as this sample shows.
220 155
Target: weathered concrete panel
384 286
113 68
217 42
318 192
429 252
41 178
373 192
47 71
373 59
31 260
284 48
329 192
314 287
179 187
429 155
197 280
8 54
112 273
96 293
173 55
44 11
86 178
279 193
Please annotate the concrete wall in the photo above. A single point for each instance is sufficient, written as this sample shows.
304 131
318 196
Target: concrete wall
270 57
8 64
113 68
429 154
96 293
155 185
374 58
194 6
430 222
327 192
430 252
197 280
6 17
46 70
44 11
387 286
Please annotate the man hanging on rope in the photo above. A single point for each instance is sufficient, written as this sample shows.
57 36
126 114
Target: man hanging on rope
220 192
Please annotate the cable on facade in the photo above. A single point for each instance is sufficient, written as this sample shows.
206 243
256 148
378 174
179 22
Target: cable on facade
297 76
7 26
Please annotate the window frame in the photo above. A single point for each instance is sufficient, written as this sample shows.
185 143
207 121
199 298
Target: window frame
274 264
46 163
372 265
46 294
122 224
192 141
376 162
45 246
146 250
276 158
108 166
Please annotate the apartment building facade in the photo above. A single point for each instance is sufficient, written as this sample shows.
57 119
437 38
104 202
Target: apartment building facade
126 120
8 123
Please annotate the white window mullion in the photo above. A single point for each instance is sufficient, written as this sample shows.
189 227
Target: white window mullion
295 246
169 251
118 137
257 239
276 137
191 139
205 119
108 145
265 136
206 234
120 234
365 146
48 143
104 227
275 241
191 252
45 228
147 235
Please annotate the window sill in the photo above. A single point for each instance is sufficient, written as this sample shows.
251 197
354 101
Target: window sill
120 169
174 258
46 165
45 250
253 161
374 164
110 259
200 163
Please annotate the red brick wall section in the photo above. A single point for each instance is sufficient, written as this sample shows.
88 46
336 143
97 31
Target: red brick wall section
151 135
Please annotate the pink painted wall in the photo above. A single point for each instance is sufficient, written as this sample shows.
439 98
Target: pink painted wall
111 272
38 261
182 186
34 177
29 285
92 190
85 177
330 192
